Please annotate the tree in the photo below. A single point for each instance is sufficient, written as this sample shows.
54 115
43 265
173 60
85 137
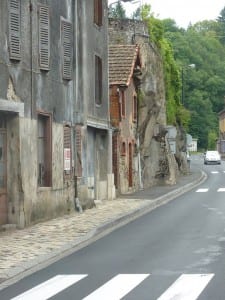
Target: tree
212 138
221 22
204 87
137 14
117 12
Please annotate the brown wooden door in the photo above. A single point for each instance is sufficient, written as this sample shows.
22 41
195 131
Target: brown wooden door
130 173
3 164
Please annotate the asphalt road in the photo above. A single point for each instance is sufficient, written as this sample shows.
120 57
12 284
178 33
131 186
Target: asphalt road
177 251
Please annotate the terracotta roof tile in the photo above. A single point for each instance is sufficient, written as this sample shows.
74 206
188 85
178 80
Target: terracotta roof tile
122 60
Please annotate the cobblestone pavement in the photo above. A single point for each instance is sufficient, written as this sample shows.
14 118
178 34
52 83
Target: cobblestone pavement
23 250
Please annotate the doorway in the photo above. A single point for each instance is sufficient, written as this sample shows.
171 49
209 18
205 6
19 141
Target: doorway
130 169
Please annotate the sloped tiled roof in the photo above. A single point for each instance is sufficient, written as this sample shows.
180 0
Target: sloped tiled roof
122 60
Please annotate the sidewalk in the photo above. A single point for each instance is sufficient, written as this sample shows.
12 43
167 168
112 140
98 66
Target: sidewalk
24 251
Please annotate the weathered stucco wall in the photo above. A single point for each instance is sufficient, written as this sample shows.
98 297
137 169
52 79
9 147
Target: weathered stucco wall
29 203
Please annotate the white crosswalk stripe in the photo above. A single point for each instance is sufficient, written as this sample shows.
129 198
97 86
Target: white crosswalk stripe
50 287
117 287
205 190
202 190
187 287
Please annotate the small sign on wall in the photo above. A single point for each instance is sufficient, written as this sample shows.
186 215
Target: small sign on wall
67 159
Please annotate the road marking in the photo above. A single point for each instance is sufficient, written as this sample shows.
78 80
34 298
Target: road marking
202 190
214 172
50 287
187 287
221 190
117 287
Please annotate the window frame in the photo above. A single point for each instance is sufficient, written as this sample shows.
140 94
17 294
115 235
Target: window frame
123 148
46 120
98 80
98 12
134 108
123 104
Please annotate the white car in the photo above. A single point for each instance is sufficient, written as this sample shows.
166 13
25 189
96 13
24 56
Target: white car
212 157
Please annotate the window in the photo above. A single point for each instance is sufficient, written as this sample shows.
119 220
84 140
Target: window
123 104
44 37
135 108
98 80
66 30
123 149
14 30
98 12
44 150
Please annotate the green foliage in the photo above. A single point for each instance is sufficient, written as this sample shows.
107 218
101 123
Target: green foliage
212 138
176 113
117 12
204 87
136 14
221 23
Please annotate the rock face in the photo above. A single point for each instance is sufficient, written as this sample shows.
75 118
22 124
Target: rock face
158 163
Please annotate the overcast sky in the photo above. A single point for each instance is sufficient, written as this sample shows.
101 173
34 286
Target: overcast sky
182 11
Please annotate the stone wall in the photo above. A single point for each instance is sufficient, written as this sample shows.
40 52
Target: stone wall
157 161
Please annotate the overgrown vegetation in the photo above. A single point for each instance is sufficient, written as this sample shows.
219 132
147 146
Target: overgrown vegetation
194 96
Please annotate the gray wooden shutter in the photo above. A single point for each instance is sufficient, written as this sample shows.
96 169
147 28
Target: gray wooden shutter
44 37
14 30
78 170
67 49
67 152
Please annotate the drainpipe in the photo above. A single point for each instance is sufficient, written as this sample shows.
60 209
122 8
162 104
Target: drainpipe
31 59
77 204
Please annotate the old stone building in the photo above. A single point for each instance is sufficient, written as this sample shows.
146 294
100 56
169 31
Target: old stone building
92 102
157 161
54 120
124 64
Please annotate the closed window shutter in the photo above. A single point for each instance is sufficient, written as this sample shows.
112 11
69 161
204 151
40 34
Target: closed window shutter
67 152
44 37
98 12
78 151
14 30
67 49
